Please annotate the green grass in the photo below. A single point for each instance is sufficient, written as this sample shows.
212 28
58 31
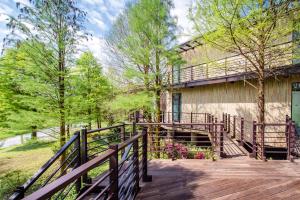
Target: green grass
6 133
18 163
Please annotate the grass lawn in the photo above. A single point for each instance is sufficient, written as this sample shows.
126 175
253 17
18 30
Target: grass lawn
6 133
18 163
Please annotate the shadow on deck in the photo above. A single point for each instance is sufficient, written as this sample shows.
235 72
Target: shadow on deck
223 179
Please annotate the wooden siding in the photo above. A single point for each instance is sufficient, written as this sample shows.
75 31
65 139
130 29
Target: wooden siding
239 98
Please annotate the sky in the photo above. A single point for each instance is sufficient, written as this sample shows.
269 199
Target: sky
101 14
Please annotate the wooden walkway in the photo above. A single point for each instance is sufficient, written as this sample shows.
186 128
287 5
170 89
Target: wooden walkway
236 178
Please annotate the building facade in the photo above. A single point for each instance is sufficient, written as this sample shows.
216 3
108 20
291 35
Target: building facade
215 82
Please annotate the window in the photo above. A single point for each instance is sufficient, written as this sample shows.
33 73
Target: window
176 74
176 107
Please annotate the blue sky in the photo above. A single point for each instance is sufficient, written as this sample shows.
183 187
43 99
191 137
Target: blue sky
101 15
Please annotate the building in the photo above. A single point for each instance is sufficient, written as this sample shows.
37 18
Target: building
218 82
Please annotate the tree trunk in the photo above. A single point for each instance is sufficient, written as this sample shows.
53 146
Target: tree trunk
68 131
34 132
90 118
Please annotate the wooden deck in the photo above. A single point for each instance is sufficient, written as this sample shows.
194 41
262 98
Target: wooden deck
235 178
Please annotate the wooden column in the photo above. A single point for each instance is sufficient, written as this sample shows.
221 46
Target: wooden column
241 143
114 176
254 146
136 165
84 153
234 128
222 153
77 145
146 177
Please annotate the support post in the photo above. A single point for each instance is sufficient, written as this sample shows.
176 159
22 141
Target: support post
215 130
123 136
254 146
191 119
136 165
228 127
114 176
222 153
84 153
241 143
263 157
146 177
77 146
234 128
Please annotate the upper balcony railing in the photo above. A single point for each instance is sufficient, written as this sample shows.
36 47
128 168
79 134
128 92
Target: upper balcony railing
233 65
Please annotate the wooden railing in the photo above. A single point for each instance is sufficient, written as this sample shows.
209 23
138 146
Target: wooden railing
65 160
82 147
232 65
115 179
263 139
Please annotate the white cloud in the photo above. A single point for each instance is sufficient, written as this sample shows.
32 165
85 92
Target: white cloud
181 11
95 45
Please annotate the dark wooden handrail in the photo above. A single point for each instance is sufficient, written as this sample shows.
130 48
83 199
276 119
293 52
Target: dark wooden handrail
105 128
60 183
20 193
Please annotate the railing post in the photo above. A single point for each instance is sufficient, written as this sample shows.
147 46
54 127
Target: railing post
222 153
254 146
228 128
263 157
136 116
133 128
77 145
84 153
215 130
241 143
123 136
192 73
136 165
191 119
209 121
225 123
146 177
114 176
173 142
234 128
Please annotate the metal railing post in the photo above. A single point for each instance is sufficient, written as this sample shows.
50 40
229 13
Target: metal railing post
241 143
77 145
114 176
136 165
216 131
146 177
191 119
263 157
234 128
222 153
254 146
84 153
228 128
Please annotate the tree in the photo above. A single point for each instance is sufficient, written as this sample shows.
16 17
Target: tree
54 28
142 38
21 87
253 29
92 90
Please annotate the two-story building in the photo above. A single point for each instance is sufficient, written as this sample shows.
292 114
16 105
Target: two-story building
215 82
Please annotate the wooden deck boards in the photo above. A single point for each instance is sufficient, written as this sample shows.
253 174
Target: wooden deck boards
236 178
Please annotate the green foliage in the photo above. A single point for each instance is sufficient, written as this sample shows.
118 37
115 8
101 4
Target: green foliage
9 182
90 91
52 29
141 40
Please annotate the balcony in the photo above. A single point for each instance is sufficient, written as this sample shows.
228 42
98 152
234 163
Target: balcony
233 68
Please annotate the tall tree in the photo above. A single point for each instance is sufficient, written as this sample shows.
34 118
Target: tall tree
21 87
92 90
253 29
142 38
57 26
